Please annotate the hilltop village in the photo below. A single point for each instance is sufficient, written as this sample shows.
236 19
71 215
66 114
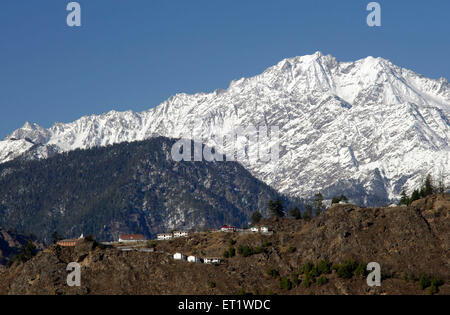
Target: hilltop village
326 254
137 242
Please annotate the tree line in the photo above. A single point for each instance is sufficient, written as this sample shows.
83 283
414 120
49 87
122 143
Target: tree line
427 188
276 209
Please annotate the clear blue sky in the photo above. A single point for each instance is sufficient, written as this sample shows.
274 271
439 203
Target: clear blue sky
134 54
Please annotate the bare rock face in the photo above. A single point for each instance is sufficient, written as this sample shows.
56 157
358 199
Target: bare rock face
405 241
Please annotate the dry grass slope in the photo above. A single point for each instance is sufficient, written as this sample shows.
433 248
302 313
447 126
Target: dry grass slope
406 241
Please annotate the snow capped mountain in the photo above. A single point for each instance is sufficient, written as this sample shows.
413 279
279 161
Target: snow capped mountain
366 128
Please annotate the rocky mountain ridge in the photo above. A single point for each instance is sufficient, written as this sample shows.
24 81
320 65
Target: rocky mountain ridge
368 129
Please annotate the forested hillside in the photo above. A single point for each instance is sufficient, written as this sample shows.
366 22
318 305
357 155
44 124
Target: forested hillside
126 188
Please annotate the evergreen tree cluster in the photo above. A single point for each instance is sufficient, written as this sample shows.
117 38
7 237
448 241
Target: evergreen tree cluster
339 199
229 253
27 252
428 188
246 250
256 217
315 273
432 283
276 209
295 213
124 188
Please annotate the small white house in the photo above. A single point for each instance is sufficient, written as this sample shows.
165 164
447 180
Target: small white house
179 256
212 260
254 229
194 259
264 229
165 236
180 234
146 250
125 249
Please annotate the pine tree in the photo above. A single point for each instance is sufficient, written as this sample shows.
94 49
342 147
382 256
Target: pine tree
441 187
276 208
404 200
318 203
27 252
56 237
256 217
424 282
428 186
308 212
422 192
285 283
339 199
415 196
295 213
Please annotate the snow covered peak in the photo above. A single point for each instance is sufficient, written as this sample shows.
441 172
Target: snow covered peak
363 127
31 132
27 125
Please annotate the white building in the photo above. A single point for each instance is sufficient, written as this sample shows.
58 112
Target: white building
146 250
179 256
264 229
125 249
212 260
180 234
194 259
254 229
165 236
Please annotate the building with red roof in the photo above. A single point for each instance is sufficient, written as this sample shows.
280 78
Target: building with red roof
228 228
131 238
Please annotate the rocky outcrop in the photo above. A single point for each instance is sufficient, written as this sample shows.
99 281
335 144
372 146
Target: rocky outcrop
405 241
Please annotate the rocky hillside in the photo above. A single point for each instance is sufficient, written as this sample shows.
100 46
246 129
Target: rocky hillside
126 188
406 241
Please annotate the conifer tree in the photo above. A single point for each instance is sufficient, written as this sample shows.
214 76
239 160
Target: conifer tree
404 200
428 186
276 208
318 203
256 217
308 212
295 213
415 196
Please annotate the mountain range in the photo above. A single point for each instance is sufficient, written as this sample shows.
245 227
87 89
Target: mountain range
367 129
